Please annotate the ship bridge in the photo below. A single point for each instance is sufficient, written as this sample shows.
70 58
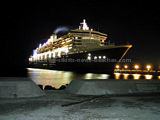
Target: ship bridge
85 38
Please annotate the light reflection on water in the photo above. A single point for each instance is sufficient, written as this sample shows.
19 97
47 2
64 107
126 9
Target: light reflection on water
136 76
57 78
148 77
125 76
117 75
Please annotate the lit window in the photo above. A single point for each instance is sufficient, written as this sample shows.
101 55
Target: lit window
89 58
70 48
30 59
95 57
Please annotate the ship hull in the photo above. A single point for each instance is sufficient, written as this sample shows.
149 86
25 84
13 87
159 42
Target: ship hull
79 61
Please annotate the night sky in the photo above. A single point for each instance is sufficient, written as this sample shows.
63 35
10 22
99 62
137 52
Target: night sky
24 26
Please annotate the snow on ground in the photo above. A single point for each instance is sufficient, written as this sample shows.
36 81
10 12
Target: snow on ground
58 105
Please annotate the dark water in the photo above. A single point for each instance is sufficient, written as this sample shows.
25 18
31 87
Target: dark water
57 78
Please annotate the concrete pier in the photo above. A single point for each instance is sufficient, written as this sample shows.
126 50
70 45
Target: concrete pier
12 87
113 87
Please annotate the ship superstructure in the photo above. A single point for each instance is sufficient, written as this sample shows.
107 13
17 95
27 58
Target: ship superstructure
81 43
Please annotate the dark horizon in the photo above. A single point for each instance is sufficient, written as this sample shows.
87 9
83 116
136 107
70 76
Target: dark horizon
25 26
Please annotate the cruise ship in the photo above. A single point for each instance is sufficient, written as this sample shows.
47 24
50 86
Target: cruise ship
82 49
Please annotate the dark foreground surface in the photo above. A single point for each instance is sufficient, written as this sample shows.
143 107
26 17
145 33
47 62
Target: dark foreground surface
59 105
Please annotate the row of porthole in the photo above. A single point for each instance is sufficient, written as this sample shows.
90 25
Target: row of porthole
99 57
95 57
